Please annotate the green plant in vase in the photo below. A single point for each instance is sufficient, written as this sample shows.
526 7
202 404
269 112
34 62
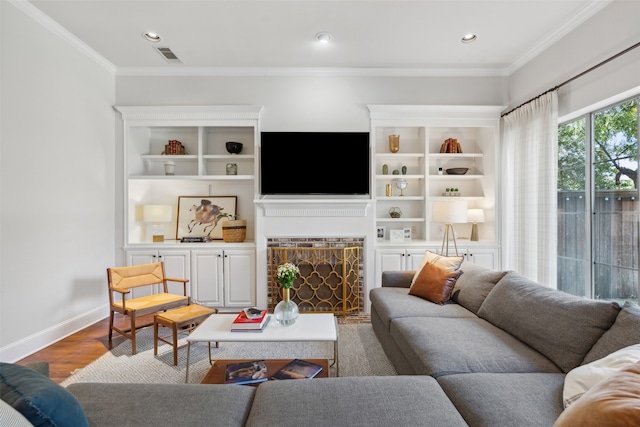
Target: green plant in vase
286 311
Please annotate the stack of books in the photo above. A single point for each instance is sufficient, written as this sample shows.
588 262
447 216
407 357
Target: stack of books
250 320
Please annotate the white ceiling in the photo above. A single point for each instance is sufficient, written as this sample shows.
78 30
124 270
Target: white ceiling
415 37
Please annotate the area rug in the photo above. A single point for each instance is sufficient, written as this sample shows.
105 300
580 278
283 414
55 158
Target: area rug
360 354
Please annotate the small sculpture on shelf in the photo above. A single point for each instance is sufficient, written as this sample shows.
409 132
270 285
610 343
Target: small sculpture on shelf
450 145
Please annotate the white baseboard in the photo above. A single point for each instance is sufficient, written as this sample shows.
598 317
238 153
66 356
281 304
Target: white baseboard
26 346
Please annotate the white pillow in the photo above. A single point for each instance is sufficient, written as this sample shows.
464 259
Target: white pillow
10 417
582 378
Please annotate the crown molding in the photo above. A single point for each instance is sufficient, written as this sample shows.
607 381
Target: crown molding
36 14
554 37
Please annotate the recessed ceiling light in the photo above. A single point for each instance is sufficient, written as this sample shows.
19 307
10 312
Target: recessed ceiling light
151 36
468 38
323 38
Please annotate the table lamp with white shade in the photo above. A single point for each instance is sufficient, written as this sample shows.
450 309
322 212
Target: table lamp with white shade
475 216
449 212
157 214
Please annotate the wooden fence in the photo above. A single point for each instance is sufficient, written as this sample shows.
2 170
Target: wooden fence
615 237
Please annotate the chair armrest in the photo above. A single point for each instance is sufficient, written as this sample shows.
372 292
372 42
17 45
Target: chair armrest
121 291
397 279
177 280
183 281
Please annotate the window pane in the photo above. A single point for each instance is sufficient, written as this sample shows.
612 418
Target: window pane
573 213
615 228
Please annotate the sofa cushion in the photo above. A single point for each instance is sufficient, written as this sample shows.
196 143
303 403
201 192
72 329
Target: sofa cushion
614 401
561 326
353 401
393 303
442 346
451 263
624 332
434 283
39 399
474 285
188 405
522 400
582 378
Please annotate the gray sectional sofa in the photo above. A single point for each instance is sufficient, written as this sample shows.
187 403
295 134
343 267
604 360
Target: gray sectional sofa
500 349
495 355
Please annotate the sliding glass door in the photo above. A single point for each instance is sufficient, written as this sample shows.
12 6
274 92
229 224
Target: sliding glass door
598 234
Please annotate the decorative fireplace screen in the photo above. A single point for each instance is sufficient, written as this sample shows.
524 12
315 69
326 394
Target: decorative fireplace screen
328 280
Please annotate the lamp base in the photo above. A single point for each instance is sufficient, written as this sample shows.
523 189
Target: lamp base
158 233
448 228
474 232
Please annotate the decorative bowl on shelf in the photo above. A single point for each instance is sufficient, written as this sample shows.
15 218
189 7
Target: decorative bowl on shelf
457 171
234 147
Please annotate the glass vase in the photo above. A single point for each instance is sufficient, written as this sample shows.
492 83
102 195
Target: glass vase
286 311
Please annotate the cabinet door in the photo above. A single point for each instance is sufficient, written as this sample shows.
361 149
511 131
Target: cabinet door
239 278
388 260
176 265
484 257
206 277
414 258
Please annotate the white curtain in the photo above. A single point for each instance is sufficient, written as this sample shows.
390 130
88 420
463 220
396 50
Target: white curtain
529 195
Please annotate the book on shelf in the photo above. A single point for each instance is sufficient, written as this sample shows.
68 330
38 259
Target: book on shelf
297 369
250 320
250 372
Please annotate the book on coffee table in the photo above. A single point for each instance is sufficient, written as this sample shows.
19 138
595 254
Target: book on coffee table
244 323
250 372
297 369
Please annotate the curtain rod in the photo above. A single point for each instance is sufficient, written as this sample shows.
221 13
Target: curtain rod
573 78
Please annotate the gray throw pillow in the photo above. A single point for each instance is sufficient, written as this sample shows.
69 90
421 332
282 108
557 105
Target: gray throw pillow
624 332
474 285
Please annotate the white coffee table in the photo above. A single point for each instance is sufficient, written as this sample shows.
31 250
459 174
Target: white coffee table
308 327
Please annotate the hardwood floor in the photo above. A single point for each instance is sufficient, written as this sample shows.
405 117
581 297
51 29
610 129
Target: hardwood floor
77 350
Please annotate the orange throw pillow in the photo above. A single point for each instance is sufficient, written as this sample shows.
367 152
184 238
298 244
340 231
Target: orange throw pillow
434 283
613 402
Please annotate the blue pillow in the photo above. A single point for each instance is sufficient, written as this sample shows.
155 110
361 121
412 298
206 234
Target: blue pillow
39 399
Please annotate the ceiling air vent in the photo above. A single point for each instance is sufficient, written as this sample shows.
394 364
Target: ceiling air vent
168 54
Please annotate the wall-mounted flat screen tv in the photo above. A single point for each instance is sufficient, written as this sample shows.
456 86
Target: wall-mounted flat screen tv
320 163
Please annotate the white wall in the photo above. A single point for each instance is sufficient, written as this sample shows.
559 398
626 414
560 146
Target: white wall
57 186
611 31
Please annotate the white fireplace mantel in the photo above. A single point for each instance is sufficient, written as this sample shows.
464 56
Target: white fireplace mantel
315 207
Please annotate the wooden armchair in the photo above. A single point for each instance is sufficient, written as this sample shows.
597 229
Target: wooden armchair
122 279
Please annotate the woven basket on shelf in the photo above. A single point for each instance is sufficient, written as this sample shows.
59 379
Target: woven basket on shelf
234 230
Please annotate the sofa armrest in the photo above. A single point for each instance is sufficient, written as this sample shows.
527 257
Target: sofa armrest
397 279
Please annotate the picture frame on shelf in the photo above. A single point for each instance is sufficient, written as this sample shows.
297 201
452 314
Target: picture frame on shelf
406 233
381 230
200 216
396 235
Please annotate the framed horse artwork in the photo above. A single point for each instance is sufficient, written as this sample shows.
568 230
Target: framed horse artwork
199 216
